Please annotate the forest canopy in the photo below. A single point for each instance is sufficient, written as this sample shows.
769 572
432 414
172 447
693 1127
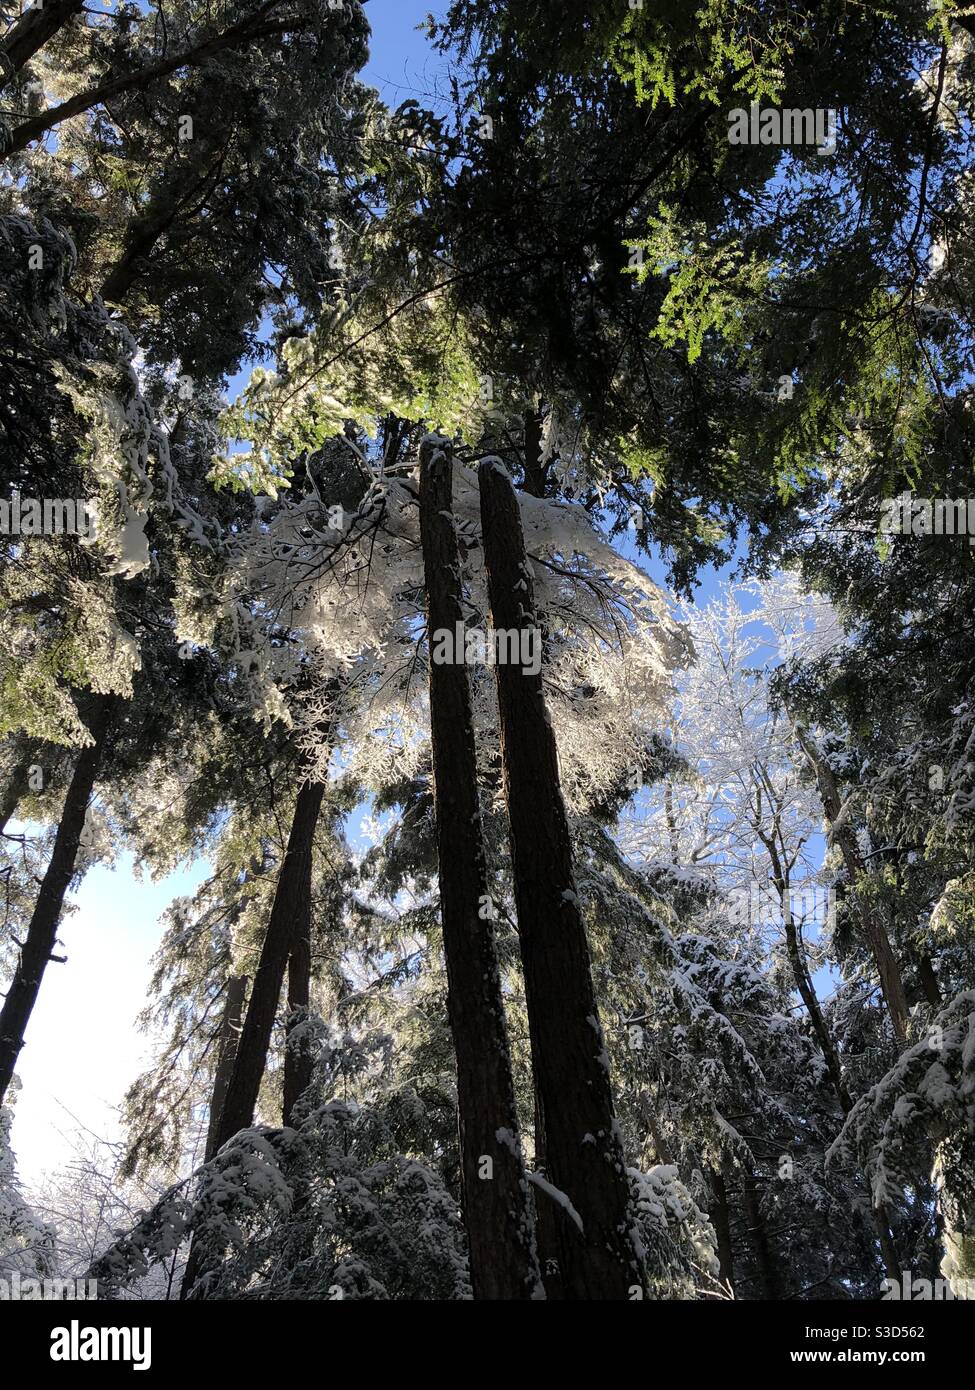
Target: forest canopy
520 542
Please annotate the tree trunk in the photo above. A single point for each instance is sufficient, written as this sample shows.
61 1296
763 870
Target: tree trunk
807 993
32 31
292 901
546 1217
891 981
803 982
768 1277
660 1146
888 1250
582 1143
292 895
250 29
233 1011
671 824
298 1057
532 455
228 1044
929 980
141 237
497 1212
42 932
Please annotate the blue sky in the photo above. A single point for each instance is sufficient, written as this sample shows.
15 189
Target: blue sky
82 1050
401 62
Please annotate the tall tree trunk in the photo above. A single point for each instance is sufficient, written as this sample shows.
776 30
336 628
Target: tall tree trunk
32 31
497 1211
885 1238
298 1056
720 1212
929 980
42 932
546 1217
955 1220
661 1148
141 236
801 977
532 453
292 899
233 1010
891 981
804 984
582 1143
671 824
768 1275
228 1044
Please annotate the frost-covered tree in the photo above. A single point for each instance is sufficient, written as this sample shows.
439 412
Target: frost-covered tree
653 342
27 1242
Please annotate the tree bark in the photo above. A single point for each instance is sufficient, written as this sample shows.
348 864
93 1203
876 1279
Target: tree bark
298 1057
42 932
661 1147
929 980
803 983
546 1217
292 896
292 899
801 977
497 1211
228 1043
768 1277
671 824
233 1010
140 238
32 31
582 1143
532 457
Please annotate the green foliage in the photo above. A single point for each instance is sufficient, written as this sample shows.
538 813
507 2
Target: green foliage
709 287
